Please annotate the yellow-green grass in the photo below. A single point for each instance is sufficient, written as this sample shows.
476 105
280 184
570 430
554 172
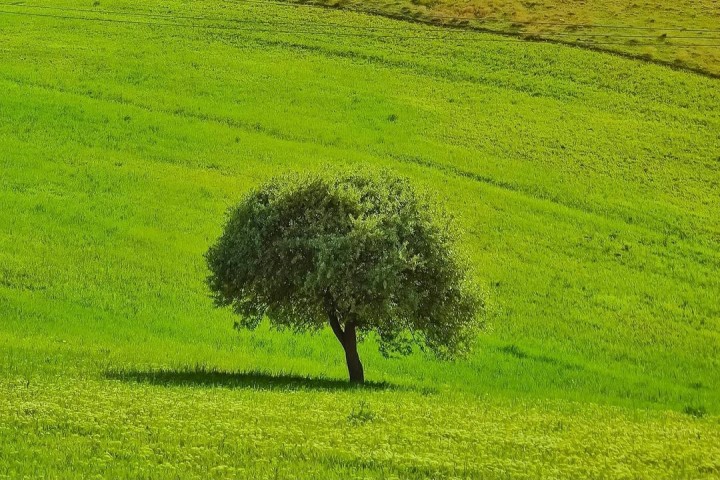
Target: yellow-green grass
684 33
113 429
588 195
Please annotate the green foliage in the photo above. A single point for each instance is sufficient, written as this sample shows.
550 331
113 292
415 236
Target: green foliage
364 245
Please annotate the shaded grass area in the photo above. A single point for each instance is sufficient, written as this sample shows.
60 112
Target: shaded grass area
210 377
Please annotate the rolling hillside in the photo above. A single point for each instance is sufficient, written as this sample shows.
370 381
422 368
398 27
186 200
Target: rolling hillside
683 33
586 185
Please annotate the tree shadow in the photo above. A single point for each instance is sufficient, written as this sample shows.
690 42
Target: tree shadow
255 380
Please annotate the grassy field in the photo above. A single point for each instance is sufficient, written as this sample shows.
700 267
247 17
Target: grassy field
683 33
587 187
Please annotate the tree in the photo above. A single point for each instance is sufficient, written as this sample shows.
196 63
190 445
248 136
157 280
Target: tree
362 252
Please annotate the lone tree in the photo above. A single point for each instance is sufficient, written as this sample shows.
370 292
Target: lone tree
363 252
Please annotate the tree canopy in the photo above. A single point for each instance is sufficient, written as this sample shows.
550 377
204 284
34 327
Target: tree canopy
362 252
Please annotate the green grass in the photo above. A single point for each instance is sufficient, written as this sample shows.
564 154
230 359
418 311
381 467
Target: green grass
586 186
145 430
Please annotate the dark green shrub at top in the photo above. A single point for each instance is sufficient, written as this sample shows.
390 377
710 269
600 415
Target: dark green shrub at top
364 253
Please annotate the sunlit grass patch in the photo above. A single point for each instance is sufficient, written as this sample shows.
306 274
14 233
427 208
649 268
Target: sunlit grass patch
585 185
115 429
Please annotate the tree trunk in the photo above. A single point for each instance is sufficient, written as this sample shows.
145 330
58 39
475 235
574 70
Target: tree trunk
355 368
348 340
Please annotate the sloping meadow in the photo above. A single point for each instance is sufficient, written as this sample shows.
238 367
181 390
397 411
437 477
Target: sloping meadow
586 186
